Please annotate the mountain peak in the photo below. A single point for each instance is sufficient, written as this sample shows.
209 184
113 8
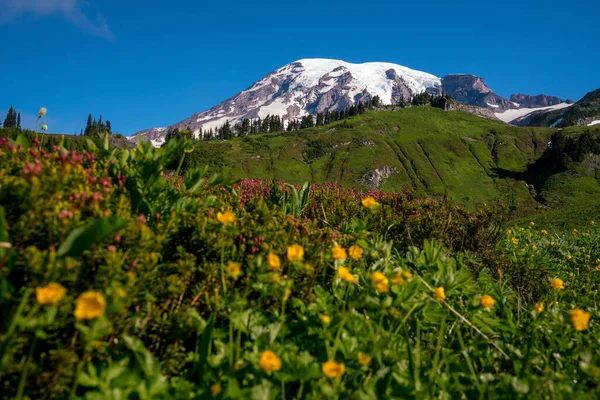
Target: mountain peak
310 86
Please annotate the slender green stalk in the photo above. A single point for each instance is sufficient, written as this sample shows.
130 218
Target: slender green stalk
13 326
25 368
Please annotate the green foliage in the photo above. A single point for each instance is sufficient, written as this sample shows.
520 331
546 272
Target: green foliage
199 292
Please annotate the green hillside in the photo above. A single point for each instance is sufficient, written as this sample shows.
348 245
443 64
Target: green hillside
471 159
580 113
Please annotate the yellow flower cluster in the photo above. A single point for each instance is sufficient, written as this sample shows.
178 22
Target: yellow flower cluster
487 302
363 359
369 202
295 253
355 252
274 261
580 319
380 281
332 369
269 362
226 218
339 253
439 293
90 305
234 269
557 283
401 277
345 275
50 294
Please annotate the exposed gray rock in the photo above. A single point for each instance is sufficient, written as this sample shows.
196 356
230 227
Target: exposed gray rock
374 179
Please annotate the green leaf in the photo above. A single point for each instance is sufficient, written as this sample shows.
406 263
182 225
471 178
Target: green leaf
85 237
202 350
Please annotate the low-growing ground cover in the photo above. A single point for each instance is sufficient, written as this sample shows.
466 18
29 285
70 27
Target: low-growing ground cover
118 280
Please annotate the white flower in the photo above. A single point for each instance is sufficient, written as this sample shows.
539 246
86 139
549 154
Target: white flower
42 112
45 127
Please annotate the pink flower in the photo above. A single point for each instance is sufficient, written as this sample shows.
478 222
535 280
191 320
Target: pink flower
106 213
142 219
118 238
65 214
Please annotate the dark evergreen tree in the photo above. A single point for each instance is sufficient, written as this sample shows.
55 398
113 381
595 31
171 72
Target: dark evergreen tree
19 120
11 118
88 126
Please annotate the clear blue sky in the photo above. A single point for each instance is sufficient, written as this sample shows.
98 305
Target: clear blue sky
155 62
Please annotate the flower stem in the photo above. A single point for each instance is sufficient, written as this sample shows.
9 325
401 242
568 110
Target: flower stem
25 368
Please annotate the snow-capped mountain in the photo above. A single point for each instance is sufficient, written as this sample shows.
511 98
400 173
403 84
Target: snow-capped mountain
310 86
307 87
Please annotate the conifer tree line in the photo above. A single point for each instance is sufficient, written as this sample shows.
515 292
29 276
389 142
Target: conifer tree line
275 123
13 119
95 127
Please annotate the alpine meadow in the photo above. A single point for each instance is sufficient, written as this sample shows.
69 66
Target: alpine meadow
336 230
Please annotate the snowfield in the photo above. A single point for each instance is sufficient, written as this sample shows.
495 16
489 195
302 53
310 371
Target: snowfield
511 115
594 123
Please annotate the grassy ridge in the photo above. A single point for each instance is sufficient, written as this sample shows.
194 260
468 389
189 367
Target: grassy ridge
436 153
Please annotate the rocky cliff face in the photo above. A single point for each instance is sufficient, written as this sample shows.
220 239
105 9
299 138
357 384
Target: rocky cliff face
541 100
471 89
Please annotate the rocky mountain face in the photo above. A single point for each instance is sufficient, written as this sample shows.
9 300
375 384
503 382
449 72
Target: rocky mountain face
540 100
471 89
311 86
307 87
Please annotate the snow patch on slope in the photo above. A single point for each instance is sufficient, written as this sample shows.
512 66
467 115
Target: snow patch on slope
558 121
594 123
511 115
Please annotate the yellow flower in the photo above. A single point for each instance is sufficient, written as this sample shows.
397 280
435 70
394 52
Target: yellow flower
369 202
510 231
274 261
544 232
42 112
44 127
552 243
569 257
345 275
332 369
557 283
52 293
339 253
439 293
580 319
395 312
534 247
90 305
325 319
487 302
269 362
233 269
356 252
381 282
226 218
364 359
215 389
538 307
406 275
515 241
398 279
531 223
121 292
592 223
295 252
